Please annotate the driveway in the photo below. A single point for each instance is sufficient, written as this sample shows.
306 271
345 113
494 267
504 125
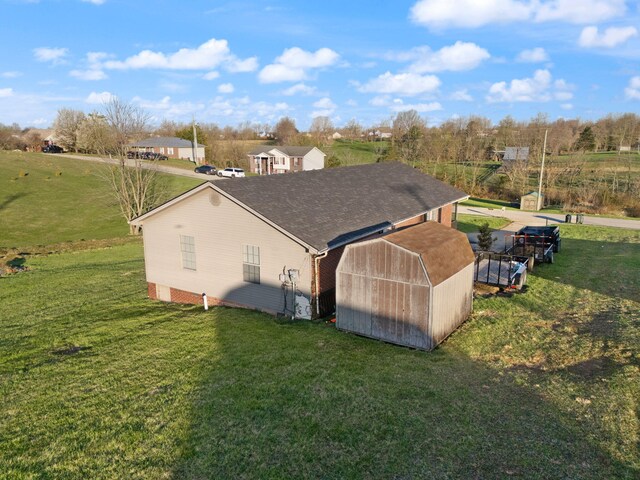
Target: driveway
132 163
541 218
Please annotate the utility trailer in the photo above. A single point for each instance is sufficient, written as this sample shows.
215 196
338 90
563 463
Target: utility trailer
538 243
501 270
553 234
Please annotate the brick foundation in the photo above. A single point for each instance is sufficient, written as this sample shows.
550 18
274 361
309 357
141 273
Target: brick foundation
180 296
151 291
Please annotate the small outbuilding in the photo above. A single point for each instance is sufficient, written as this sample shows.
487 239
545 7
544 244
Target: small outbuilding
531 201
412 287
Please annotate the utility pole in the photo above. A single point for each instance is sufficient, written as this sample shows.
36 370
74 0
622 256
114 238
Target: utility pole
544 151
195 142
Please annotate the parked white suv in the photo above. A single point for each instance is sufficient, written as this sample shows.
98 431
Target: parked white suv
231 172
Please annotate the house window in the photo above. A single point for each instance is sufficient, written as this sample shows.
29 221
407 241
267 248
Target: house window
188 249
169 151
161 149
296 161
251 263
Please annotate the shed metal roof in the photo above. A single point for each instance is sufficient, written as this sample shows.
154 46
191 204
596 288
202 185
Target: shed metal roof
330 207
444 251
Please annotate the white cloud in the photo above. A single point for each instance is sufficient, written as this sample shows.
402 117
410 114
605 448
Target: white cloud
380 101
299 88
522 90
468 13
293 64
90 74
242 66
399 106
406 84
46 54
457 57
99 98
12 74
95 2
611 37
534 55
6 92
566 106
324 103
462 96
632 92
276 73
438 14
211 75
352 103
207 56
326 106
225 88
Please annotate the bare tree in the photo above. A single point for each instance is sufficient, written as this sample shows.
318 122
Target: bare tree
94 135
134 183
320 128
285 130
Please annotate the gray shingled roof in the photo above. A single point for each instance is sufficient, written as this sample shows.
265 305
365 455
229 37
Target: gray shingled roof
292 151
171 142
325 208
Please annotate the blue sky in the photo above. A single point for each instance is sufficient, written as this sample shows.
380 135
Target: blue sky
256 61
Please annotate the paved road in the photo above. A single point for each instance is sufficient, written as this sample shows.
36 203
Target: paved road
541 218
161 168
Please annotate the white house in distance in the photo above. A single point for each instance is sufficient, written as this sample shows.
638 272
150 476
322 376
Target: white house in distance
172 147
268 160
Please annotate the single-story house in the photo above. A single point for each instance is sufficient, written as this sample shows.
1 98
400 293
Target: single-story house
172 147
268 160
412 287
273 243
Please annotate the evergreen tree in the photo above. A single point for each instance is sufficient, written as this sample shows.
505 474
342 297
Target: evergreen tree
586 141
485 239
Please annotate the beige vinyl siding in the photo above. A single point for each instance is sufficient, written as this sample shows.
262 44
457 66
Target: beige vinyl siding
314 160
187 152
220 228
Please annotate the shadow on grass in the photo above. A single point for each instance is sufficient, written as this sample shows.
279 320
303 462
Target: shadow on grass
9 199
302 400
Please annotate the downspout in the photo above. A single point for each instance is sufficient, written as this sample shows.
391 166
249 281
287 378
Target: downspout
316 273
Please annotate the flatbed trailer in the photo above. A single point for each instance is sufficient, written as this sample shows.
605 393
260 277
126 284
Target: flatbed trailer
501 270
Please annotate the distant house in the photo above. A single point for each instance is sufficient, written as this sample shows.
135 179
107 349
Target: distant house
172 147
268 160
382 133
512 154
273 243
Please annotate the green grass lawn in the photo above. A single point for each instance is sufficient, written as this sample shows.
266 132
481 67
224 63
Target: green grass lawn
470 223
47 199
97 381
